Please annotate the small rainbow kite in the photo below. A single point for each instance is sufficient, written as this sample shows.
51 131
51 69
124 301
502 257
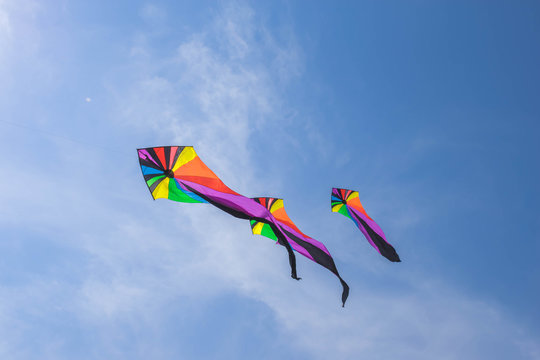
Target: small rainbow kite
310 248
347 202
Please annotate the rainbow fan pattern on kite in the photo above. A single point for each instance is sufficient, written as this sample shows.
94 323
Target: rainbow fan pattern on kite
347 202
177 173
310 248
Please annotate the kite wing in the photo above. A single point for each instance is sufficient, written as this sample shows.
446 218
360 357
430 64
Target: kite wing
310 248
347 202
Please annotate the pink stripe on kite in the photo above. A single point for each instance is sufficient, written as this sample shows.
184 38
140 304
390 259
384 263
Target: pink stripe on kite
171 157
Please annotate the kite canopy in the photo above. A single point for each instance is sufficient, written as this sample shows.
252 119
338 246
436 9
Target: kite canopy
166 168
310 248
347 203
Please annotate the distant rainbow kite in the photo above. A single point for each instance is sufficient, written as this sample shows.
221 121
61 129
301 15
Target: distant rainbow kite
347 203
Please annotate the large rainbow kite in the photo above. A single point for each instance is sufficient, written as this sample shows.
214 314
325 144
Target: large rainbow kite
347 202
177 173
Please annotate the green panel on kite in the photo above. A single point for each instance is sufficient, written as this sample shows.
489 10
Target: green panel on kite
154 179
267 231
344 211
177 194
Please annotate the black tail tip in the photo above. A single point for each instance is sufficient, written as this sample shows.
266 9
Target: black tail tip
393 257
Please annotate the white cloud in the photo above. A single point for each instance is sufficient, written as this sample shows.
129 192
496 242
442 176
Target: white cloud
153 13
17 20
216 97
5 26
425 322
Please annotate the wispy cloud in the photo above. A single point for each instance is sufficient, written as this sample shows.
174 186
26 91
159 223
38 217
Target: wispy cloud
218 91
5 25
17 22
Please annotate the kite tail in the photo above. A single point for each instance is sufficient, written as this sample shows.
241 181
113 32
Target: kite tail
292 262
283 241
384 248
345 293
389 252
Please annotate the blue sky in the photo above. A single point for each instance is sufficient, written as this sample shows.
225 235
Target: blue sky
428 108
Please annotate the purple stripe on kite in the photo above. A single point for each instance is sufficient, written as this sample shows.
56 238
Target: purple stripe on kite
239 203
362 229
145 155
189 193
298 248
372 224
307 239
